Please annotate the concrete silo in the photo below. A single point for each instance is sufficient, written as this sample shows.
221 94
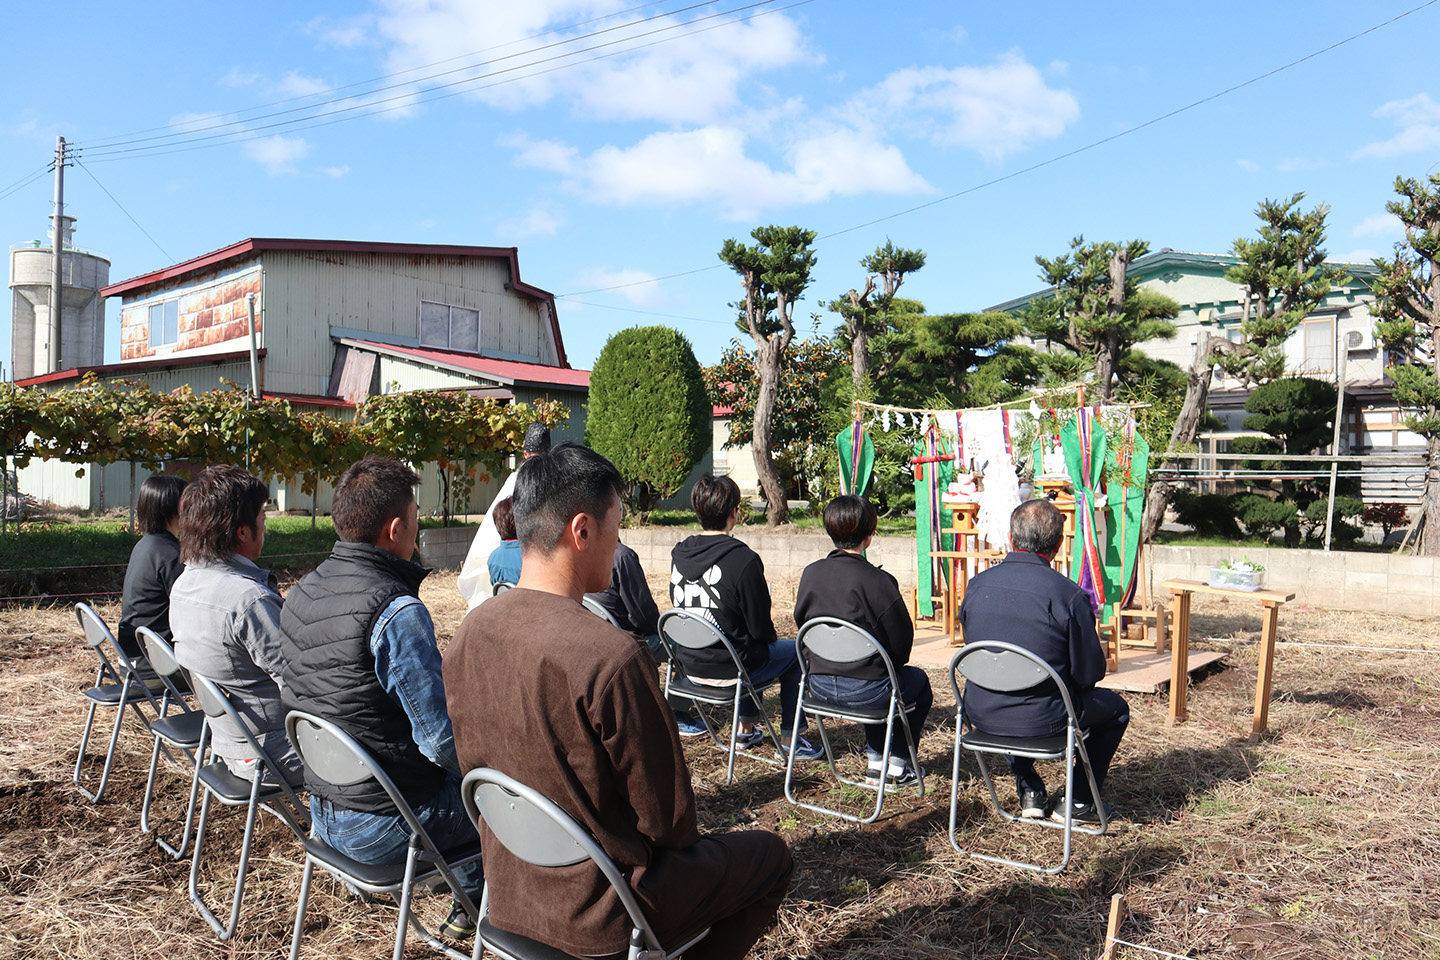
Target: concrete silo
81 333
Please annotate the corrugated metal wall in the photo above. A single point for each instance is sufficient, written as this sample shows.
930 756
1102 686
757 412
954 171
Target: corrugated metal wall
308 292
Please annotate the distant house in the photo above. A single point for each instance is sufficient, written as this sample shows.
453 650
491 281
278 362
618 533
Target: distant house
1209 302
336 321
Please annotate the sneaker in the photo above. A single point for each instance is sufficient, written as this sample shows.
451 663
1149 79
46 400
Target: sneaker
803 750
459 925
689 727
1034 805
1086 813
873 773
745 741
907 777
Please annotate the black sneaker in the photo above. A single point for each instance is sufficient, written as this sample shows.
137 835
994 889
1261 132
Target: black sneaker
1034 805
1086 813
459 925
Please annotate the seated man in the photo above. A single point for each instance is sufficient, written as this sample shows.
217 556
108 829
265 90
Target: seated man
552 695
846 586
723 581
359 651
1025 602
504 562
225 614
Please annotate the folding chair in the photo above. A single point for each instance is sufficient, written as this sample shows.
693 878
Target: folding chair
118 684
841 642
498 588
1007 668
220 784
338 758
539 831
180 730
595 607
682 628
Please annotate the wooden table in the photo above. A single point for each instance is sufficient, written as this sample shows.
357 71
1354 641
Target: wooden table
1270 602
967 559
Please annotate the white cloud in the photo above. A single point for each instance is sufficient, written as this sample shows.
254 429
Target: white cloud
1249 166
1418 118
240 78
344 33
636 286
994 110
296 84
1300 165
1379 224
335 173
277 154
539 221
692 75
709 165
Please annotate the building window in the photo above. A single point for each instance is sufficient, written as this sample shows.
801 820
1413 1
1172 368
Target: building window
450 328
165 323
1319 341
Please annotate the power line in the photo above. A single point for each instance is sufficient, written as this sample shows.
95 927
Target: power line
1063 156
122 209
110 154
110 147
23 182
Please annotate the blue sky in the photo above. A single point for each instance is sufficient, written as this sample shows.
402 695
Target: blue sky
705 122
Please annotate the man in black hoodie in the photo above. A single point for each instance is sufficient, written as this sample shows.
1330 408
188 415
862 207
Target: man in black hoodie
724 581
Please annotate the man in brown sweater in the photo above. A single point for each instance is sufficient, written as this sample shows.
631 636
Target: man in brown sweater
548 693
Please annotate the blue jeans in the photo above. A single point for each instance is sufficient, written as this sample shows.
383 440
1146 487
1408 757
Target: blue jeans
915 698
784 666
384 839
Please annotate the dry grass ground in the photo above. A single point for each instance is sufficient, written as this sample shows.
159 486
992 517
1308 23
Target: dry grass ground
1322 840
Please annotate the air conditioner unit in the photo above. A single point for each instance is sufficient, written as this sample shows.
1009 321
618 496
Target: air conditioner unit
1358 341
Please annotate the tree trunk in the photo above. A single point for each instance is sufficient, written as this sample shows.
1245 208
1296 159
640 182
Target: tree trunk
859 358
1430 502
767 360
1108 357
1187 425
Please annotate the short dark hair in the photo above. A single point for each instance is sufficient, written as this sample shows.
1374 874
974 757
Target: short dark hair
849 520
537 439
503 513
213 508
370 494
158 501
1036 526
552 488
714 499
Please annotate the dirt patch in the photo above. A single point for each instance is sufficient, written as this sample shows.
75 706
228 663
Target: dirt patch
1321 840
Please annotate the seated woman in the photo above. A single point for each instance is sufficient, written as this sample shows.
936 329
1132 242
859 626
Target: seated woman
505 559
723 580
154 565
848 587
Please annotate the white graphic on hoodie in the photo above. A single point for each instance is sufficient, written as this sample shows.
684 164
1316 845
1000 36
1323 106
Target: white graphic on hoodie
702 596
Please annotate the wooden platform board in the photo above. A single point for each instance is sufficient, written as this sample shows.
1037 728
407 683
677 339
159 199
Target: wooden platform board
1140 671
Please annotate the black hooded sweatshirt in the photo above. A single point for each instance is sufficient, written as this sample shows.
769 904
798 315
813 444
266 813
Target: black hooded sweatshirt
723 580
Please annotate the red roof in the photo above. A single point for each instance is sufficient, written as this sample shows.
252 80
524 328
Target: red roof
257 244
162 363
505 371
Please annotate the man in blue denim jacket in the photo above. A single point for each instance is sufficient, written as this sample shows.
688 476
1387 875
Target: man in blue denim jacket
360 652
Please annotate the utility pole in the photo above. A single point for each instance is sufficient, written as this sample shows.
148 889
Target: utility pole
52 347
1343 344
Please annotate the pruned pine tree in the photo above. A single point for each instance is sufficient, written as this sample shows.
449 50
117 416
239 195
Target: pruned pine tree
1283 278
774 273
868 313
1408 304
1098 311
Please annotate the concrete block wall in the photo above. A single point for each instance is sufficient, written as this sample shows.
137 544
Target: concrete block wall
1339 580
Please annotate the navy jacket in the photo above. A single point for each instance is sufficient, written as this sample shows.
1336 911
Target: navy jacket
1025 602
